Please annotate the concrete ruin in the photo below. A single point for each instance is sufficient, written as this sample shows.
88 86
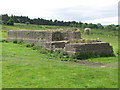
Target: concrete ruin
68 40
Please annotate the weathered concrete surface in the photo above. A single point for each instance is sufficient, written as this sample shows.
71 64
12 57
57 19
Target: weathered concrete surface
48 35
98 48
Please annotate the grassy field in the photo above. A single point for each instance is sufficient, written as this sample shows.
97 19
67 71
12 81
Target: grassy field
24 67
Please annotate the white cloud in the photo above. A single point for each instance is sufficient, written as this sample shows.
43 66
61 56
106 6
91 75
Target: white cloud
61 9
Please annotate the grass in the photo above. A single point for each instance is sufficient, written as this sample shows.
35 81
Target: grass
0 59
113 40
0 66
104 59
26 68
19 26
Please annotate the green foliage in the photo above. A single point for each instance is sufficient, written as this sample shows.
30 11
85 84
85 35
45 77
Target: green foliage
61 54
29 44
36 47
104 59
4 40
20 41
17 41
41 21
100 26
84 55
110 27
10 22
41 50
118 52
5 19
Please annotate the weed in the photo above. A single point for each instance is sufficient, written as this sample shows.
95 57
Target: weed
29 44
15 41
83 55
19 41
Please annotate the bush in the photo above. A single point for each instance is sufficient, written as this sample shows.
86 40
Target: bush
83 55
118 52
17 41
86 55
36 47
41 49
14 41
29 44
61 54
20 41
4 40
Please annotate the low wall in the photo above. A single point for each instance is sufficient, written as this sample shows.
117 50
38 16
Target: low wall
52 39
97 48
48 35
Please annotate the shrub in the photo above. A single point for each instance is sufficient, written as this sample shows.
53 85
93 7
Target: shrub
14 41
4 40
83 55
118 52
17 41
29 44
41 49
20 41
36 47
61 54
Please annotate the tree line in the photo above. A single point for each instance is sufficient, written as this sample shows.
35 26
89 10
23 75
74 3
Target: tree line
10 20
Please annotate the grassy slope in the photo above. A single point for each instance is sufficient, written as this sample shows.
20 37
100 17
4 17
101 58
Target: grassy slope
19 26
24 68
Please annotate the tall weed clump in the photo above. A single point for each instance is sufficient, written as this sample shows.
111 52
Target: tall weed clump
17 41
83 55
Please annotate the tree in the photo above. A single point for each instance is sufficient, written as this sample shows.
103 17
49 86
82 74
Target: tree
10 22
5 19
111 27
100 26
27 23
84 25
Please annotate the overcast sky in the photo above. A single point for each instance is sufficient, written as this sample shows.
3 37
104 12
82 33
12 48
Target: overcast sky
90 11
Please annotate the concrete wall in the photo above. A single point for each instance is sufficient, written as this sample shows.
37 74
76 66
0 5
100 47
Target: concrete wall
52 39
43 35
30 34
94 48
